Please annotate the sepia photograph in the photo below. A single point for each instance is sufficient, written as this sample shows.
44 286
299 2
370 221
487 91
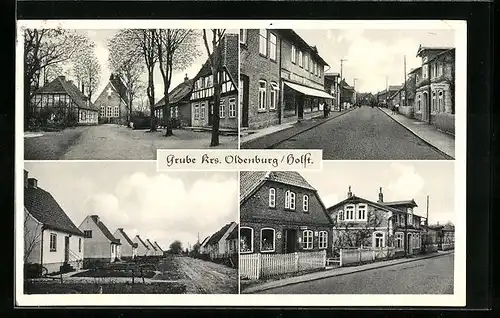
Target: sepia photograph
123 93
357 94
123 228
353 228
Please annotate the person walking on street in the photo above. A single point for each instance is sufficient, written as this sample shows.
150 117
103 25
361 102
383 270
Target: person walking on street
397 109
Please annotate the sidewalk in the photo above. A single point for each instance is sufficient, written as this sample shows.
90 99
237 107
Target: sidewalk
337 272
271 136
443 142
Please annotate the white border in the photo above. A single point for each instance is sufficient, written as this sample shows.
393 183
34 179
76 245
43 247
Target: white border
457 299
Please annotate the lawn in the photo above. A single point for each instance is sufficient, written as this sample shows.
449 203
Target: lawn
51 145
170 269
107 288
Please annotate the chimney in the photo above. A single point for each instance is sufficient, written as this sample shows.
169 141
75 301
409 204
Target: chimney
380 196
349 193
25 178
83 89
32 183
186 78
95 217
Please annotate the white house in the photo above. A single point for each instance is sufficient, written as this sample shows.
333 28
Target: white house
50 237
158 248
100 244
128 248
203 245
152 248
217 246
142 248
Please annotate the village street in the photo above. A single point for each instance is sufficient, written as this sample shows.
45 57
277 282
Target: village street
425 276
113 142
364 133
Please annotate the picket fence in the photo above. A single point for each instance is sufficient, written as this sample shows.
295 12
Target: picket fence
256 266
361 255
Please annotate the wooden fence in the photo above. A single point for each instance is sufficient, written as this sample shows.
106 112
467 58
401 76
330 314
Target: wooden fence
256 266
363 255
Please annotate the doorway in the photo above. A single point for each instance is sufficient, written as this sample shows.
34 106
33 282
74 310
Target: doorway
300 106
290 243
66 249
425 107
409 246
244 84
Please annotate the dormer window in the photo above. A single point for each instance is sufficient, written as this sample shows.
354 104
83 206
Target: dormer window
289 200
340 215
272 197
305 203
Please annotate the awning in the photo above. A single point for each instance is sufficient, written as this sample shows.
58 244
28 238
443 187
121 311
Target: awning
309 91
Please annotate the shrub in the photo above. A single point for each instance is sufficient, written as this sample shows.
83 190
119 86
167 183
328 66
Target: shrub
33 270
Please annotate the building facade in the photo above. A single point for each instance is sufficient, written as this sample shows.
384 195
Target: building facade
332 84
112 103
100 244
217 243
281 213
179 104
142 248
128 248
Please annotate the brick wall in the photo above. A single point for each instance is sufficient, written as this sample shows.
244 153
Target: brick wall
444 122
113 100
286 63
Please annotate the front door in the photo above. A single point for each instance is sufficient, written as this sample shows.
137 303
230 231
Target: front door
244 100
290 242
66 249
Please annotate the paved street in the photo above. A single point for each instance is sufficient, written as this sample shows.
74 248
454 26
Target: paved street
426 276
114 142
363 134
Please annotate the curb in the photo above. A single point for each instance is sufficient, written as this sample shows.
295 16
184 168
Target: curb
309 128
409 260
447 156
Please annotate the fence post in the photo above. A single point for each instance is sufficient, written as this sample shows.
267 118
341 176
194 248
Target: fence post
324 258
258 266
296 261
340 263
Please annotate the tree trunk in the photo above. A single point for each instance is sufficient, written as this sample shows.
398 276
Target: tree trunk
151 96
215 116
27 109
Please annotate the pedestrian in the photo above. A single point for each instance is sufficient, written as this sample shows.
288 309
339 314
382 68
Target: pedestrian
397 108
393 108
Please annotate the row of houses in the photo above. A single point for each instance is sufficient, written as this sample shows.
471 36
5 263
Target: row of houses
428 92
54 241
282 213
222 244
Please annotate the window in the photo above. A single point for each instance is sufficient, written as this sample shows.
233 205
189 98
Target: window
418 103
232 108
246 240
274 95
440 69
314 68
440 102
433 101
272 46
102 111
378 239
203 111
87 234
263 42
349 212
399 240
79 245
272 197
361 211
323 239
267 240
262 95
300 59
307 239
294 54
196 112
243 36
306 61
424 71
117 111
340 215
53 242
410 219
289 200
222 109
109 111
82 115
305 203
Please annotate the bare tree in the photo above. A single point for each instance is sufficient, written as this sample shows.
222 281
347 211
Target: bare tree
32 236
50 73
177 50
215 59
87 69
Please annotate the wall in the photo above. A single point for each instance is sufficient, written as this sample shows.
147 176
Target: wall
88 120
98 246
258 67
126 249
113 100
406 111
56 259
224 122
141 249
32 238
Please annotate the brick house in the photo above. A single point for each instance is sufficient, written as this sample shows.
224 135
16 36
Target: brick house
435 88
332 87
100 244
347 94
142 248
179 102
361 222
383 97
112 102
280 213
51 239
202 94
128 248
61 101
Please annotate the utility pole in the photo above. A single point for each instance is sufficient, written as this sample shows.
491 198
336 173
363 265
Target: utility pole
386 90
341 79
404 104
355 90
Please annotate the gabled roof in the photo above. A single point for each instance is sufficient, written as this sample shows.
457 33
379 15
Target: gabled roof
61 85
129 241
422 49
117 83
158 246
43 207
151 244
205 241
142 242
215 238
402 202
234 234
104 230
413 70
379 205
178 93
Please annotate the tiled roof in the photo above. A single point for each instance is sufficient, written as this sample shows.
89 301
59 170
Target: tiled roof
376 204
129 241
60 85
43 207
119 86
178 93
151 244
439 48
234 233
142 242
158 246
104 230
205 241
403 202
214 239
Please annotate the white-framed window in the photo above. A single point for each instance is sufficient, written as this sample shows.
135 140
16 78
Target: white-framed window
232 108
109 111
307 239
82 115
196 111
117 111
306 62
301 59
323 240
349 212
340 215
441 101
246 239
273 95
272 197
362 212
378 239
417 240
399 240
294 54
53 242
267 240
410 218
289 200
433 101
419 102
262 94
203 111
440 69
272 46
424 71
263 41
87 233
103 110
243 36
222 109
305 203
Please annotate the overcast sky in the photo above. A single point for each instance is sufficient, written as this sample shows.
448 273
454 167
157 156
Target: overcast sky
399 181
160 206
374 54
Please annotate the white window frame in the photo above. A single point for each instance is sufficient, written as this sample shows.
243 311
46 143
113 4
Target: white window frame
232 108
306 62
292 200
410 219
53 242
251 239
375 237
323 240
289 200
361 207
301 59
305 203
272 197
222 109
440 101
103 111
273 94
274 240
273 46
294 54
203 110
263 41
116 112
349 212
243 36
399 237
310 235
262 95
340 215
196 111
109 111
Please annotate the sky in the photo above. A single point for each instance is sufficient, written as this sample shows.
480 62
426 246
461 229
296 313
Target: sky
372 55
101 38
399 181
160 206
